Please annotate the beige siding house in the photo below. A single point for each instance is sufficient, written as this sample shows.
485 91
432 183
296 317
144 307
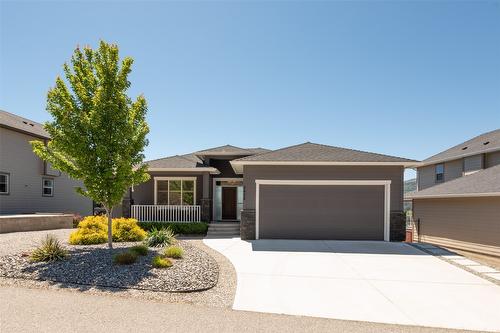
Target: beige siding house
27 184
457 202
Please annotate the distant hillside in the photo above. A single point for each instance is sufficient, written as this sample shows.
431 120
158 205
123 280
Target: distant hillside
410 185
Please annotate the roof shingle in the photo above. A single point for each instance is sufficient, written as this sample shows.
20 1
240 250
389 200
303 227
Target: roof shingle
25 125
486 142
229 150
313 152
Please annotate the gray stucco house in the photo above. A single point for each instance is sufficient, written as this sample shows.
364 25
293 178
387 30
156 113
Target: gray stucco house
457 202
307 191
28 184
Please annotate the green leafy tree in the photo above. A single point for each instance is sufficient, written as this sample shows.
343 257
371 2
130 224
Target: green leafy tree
98 133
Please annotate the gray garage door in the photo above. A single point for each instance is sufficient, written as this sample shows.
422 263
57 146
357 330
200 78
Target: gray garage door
321 212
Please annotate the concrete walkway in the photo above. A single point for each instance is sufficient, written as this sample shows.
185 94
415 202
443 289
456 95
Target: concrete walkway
40 310
367 281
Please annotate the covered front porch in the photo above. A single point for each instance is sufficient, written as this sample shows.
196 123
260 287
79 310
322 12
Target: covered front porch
187 198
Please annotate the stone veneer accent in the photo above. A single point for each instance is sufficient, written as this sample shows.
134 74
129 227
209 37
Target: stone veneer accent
247 224
205 210
398 226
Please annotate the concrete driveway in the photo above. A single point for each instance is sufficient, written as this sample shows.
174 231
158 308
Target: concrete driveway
366 281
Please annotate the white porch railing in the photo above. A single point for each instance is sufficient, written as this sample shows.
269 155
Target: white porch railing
166 213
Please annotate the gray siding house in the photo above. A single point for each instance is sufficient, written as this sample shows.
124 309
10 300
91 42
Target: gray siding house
307 191
27 184
457 202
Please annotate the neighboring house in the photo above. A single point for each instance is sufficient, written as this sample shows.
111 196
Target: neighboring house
458 199
307 191
28 184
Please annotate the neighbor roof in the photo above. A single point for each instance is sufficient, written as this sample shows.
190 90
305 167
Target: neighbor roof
229 150
17 123
481 183
487 142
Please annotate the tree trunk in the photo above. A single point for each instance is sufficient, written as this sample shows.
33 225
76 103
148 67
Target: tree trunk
109 212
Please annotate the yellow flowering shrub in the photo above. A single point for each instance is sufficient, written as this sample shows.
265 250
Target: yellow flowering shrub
127 230
91 230
94 230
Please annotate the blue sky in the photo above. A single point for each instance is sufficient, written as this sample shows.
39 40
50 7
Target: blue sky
402 78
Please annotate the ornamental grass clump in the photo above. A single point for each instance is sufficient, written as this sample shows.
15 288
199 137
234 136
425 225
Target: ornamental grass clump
127 230
160 262
50 249
125 258
175 252
160 237
140 250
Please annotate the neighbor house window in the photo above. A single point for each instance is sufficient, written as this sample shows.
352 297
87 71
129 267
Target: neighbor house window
48 187
175 191
4 183
439 173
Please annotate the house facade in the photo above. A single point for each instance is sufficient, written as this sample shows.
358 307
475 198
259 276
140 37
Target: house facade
28 184
307 191
457 202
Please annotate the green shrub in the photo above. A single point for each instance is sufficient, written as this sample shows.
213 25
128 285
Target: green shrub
159 262
125 258
160 237
50 249
140 250
177 227
91 230
127 230
175 252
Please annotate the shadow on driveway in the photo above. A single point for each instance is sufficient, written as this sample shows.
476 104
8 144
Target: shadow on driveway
335 246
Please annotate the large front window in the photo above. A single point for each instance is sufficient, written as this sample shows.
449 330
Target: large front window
175 191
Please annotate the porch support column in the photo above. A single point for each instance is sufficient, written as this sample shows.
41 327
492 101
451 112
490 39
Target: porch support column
205 199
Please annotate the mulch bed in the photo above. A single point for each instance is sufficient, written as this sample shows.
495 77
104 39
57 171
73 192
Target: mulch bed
93 266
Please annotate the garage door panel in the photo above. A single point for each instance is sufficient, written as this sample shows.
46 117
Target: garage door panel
321 212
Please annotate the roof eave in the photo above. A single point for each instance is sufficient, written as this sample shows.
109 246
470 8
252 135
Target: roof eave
25 132
238 164
454 195
456 157
211 170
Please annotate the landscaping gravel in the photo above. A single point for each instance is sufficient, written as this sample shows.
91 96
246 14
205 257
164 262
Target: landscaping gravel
221 295
93 265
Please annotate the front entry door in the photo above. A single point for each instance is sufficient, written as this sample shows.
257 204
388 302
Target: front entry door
229 203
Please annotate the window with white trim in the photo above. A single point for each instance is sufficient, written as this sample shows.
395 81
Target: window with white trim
48 187
175 191
4 183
